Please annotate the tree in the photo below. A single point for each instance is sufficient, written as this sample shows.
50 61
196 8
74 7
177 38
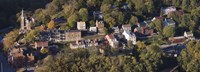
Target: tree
185 4
72 19
44 50
10 39
51 9
157 24
68 10
31 36
152 57
83 12
92 23
120 18
169 31
139 6
189 58
133 20
150 6
105 8
110 20
140 46
51 24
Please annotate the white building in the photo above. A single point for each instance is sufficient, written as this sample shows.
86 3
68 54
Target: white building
93 29
25 23
189 35
112 40
81 25
126 27
166 11
130 36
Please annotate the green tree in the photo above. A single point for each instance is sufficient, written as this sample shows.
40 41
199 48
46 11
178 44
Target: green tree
83 12
141 46
31 36
152 57
92 23
157 24
72 19
133 20
189 58
68 10
169 31
105 8
110 20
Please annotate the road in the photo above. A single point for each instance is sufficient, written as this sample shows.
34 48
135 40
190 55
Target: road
6 67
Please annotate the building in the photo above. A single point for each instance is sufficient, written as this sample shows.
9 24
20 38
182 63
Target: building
100 27
179 39
93 29
126 27
20 56
129 36
116 29
166 11
56 36
97 15
25 23
189 35
81 25
73 35
113 42
84 44
40 44
16 57
169 22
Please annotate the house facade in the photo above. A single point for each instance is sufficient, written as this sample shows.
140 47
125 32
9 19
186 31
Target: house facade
113 42
129 36
81 25
100 27
40 44
126 27
84 44
73 35
64 35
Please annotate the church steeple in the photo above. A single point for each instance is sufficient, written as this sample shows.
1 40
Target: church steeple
22 13
22 19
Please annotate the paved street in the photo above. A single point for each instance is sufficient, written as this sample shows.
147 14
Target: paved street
6 67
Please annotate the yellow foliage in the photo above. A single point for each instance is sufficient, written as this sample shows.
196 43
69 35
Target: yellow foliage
51 24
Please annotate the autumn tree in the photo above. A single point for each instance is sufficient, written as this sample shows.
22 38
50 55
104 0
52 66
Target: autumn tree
51 24
10 39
